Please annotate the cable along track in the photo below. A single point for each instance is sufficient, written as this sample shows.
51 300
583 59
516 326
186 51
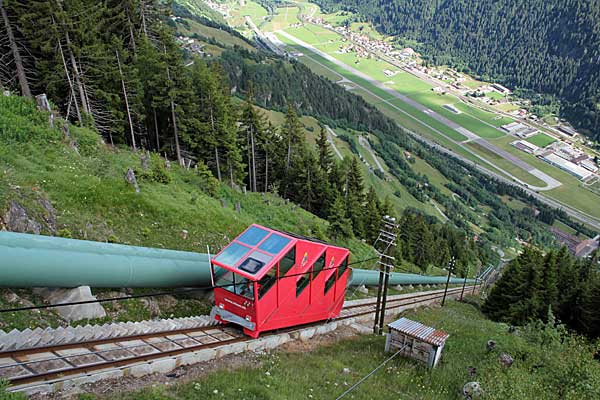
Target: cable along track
27 366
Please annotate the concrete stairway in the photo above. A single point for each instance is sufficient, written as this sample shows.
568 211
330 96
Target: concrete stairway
27 339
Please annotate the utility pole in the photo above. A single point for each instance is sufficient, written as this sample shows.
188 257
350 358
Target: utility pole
464 283
385 241
450 270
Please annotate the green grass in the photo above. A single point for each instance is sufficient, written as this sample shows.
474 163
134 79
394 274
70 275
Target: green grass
544 367
94 202
495 95
541 140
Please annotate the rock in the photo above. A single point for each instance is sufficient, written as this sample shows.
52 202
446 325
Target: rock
238 207
491 345
346 371
42 102
67 295
49 215
130 178
17 220
152 306
397 288
362 289
472 371
184 234
11 296
472 390
506 360
145 160
167 164
65 130
6 93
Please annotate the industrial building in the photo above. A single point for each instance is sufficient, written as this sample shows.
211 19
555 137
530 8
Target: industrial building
525 146
566 165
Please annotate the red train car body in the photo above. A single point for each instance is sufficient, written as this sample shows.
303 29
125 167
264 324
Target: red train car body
267 279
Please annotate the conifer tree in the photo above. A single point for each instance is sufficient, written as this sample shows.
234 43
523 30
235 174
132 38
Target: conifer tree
340 227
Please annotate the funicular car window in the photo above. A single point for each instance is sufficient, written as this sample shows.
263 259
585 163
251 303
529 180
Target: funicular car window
301 284
267 282
255 262
232 254
236 284
318 265
274 243
329 283
343 267
287 262
253 236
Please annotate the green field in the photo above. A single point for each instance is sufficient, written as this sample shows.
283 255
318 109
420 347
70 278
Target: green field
541 140
495 95
221 36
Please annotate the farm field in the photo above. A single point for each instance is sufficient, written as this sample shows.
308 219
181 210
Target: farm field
541 140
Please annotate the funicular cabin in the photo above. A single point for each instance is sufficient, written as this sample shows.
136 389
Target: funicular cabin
275 280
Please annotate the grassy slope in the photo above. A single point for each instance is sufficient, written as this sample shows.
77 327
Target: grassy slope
93 200
540 371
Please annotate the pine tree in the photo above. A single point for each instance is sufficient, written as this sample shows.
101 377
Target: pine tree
325 156
355 198
340 227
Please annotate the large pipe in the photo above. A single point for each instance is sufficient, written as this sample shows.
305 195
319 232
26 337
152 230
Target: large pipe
371 278
44 261
35 260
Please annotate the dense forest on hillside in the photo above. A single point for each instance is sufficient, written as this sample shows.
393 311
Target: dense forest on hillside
538 286
548 47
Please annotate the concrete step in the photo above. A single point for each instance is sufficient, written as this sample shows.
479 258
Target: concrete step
27 339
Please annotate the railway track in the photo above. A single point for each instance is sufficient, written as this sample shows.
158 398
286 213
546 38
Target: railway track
30 367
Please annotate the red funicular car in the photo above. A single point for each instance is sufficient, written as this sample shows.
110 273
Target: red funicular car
267 279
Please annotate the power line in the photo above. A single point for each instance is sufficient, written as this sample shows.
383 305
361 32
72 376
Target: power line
156 294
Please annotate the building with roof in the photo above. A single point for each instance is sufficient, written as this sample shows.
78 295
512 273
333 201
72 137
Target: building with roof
567 166
577 246
525 146
415 340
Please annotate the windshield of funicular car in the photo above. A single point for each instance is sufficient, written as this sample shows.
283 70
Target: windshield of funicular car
236 284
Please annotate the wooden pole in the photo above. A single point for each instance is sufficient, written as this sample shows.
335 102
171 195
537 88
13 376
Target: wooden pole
450 268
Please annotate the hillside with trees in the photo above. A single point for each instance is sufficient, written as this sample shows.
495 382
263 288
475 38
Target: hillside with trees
538 286
546 47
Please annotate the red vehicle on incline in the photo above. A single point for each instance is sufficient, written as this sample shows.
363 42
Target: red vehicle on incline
267 279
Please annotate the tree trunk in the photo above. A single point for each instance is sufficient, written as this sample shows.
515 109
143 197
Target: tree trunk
156 130
266 171
62 56
16 54
82 95
253 162
177 149
173 116
217 162
212 125
143 14
126 102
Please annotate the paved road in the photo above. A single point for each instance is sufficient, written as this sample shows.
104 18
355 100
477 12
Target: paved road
579 215
551 183
330 135
365 143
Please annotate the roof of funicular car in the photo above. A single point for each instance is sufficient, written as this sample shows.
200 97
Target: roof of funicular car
259 242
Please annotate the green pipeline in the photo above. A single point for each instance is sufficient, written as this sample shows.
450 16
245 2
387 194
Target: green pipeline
44 261
371 278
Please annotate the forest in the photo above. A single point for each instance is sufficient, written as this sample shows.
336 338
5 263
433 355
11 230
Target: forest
546 47
126 76
547 287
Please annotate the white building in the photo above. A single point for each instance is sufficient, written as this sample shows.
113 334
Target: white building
568 166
